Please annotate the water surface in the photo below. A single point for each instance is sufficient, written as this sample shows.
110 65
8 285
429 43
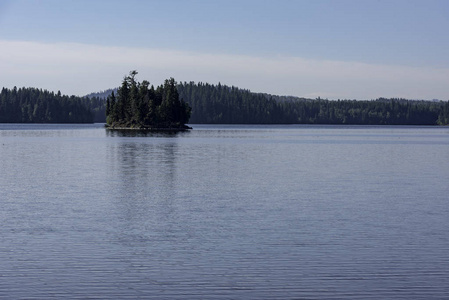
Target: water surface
225 212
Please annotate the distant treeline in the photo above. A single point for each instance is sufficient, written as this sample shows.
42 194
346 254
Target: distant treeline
221 104
31 105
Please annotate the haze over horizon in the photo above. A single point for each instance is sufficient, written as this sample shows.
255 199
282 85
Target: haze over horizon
328 49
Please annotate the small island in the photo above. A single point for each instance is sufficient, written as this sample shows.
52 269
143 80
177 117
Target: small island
141 107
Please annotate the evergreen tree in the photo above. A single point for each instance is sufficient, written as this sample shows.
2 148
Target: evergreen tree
30 105
139 106
224 104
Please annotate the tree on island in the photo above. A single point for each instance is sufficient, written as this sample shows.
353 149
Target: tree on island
139 106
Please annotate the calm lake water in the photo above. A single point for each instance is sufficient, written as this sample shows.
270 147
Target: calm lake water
224 212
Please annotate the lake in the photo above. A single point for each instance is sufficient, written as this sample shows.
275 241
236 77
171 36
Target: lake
224 212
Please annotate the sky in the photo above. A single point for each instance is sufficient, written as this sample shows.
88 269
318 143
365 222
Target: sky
340 49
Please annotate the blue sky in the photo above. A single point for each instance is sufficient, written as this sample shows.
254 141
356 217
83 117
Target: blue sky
333 49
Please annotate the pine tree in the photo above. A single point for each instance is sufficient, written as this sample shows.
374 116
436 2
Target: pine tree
142 107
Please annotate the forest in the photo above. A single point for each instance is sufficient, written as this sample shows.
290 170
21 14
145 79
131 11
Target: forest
170 104
138 105
221 104
31 105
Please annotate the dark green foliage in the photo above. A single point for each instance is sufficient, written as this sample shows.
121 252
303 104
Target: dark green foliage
97 106
219 104
443 118
140 106
31 105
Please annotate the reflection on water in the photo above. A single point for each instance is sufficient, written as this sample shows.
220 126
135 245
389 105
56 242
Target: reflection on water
228 212
144 133
146 172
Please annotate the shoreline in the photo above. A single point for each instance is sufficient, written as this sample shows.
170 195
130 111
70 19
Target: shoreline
153 129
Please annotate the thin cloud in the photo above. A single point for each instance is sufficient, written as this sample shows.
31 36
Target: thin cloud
80 69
